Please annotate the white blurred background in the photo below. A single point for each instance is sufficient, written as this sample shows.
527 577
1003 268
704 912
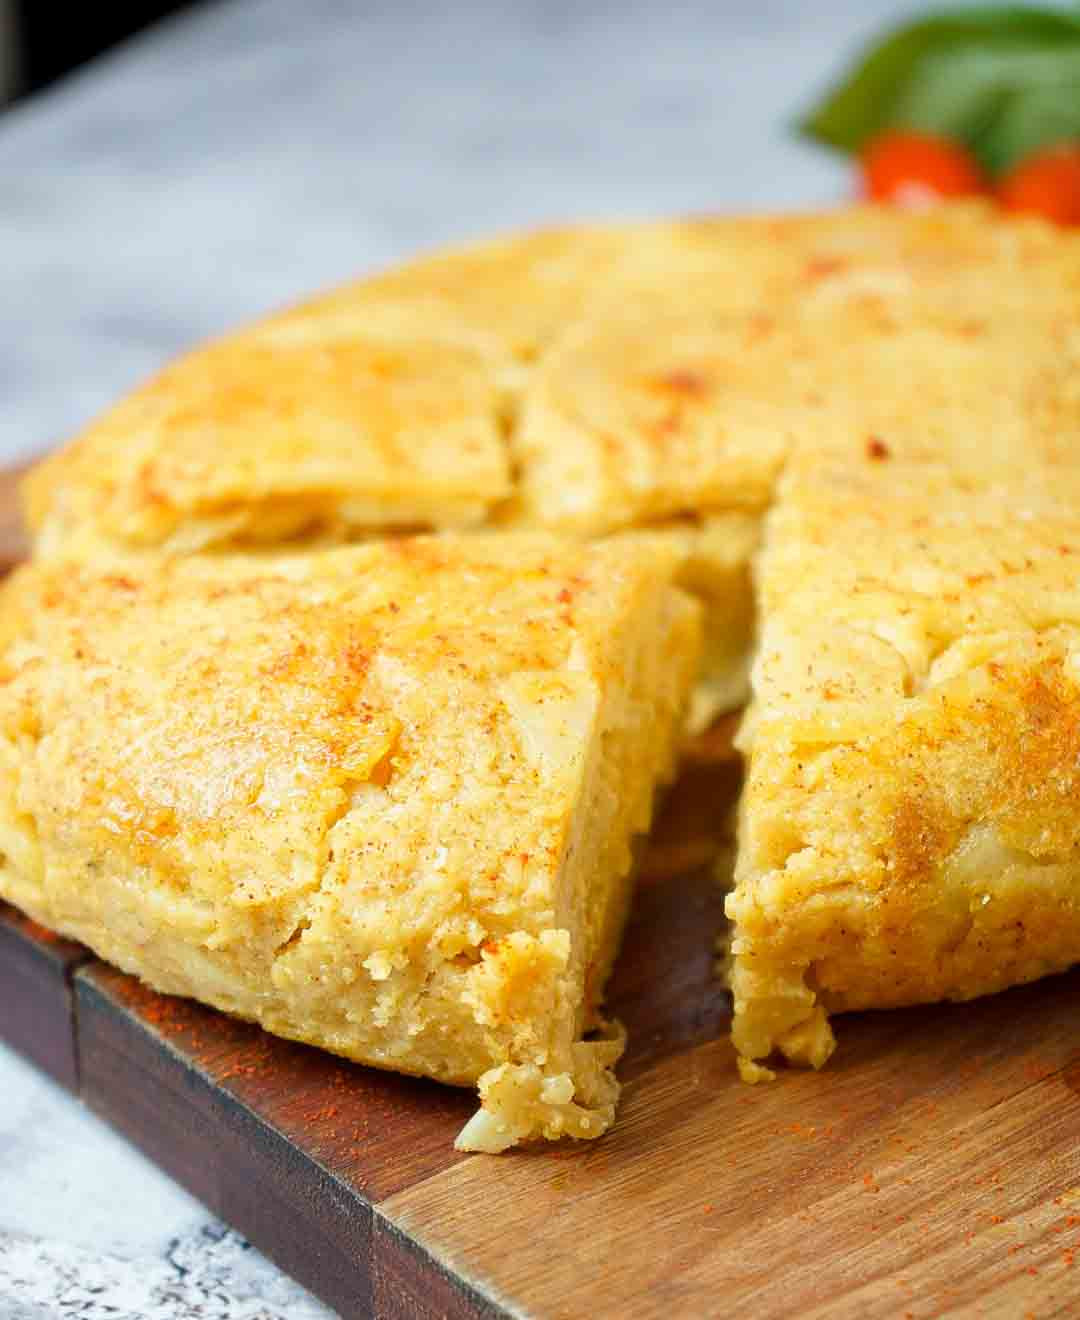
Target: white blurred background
244 152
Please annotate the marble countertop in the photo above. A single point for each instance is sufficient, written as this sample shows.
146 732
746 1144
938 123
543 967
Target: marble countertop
237 157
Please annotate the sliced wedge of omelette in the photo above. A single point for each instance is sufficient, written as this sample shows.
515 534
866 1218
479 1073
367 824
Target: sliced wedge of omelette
380 799
910 826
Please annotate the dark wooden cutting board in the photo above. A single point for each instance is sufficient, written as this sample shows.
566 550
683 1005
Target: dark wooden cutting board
932 1169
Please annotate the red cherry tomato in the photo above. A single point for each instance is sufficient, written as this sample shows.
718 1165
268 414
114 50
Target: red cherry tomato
916 169
1046 184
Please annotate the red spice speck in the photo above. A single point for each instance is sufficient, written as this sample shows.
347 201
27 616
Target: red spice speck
42 933
683 381
877 449
817 267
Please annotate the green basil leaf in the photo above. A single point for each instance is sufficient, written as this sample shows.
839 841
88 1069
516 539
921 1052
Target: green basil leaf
958 92
973 96
1029 122
868 100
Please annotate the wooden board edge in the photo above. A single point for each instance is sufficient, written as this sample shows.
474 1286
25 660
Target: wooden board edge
318 1228
57 1011
408 1283
313 1226
37 1017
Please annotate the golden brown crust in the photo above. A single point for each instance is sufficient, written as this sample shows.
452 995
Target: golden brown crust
602 377
297 429
594 380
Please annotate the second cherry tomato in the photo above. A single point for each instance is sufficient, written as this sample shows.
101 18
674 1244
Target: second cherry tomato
1046 184
914 169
